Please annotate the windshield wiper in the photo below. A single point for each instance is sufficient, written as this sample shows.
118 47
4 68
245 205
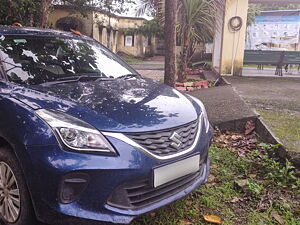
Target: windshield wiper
71 79
128 76
78 78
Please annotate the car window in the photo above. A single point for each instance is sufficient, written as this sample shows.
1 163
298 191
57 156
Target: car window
36 60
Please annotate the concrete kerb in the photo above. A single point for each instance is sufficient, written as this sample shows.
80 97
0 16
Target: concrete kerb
234 125
263 131
268 136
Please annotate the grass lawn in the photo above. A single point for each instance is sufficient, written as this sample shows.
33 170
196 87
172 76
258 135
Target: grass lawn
131 60
285 125
270 194
265 66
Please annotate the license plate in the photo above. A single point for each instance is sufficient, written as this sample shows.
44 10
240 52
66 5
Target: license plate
165 174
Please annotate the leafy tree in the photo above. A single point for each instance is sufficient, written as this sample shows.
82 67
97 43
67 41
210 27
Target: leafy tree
23 11
253 11
36 12
113 6
150 28
149 7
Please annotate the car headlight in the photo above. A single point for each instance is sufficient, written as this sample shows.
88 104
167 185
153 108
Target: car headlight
203 116
74 133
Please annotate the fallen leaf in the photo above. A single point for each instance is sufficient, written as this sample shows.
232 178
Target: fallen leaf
214 166
236 199
184 222
211 178
210 184
252 176
241 183
278 218
152 214
189 203
213 219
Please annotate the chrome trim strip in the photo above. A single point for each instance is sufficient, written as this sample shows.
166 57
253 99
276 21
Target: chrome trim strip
127 140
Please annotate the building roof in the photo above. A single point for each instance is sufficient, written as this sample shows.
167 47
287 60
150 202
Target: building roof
279 2
33 31
97 9
293 12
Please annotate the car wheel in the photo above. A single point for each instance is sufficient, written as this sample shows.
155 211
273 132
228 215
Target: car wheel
15 201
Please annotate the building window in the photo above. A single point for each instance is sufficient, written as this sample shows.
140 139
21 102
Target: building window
129 40
146 41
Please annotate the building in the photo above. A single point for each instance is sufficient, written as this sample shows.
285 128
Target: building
276 29
106 28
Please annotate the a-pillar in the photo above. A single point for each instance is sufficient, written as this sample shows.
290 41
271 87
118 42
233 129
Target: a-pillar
229 40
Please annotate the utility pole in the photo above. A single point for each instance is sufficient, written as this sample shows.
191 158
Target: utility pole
170 42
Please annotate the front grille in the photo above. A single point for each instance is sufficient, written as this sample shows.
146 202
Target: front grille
159 143
141 194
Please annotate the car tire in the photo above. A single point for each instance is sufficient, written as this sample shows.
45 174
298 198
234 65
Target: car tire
15 202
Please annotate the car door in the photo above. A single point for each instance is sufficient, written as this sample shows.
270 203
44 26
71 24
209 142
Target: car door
3 94
5 103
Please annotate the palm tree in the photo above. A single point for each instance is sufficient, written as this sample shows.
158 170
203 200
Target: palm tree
196 24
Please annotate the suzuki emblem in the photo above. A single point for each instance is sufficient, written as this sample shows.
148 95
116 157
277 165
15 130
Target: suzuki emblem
176 140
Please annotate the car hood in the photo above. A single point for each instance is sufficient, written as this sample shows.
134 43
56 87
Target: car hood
133 105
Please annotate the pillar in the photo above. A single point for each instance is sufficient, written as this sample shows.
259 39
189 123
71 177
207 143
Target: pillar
111 39
116 38
139 45
104 37
96 35
229 43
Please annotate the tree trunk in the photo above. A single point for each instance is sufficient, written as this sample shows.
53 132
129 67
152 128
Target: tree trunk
170 42
31 19
184 64
183 56
45 10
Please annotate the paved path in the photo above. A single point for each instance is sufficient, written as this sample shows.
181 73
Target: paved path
154 63
268 72
225 107
157 75
151 65
269 92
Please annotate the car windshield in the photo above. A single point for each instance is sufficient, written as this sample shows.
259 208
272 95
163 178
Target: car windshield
37 60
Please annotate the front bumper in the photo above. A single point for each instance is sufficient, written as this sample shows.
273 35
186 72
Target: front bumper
49 164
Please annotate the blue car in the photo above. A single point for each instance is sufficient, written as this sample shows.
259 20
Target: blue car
84 138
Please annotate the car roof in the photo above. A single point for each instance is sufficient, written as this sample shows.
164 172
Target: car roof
33 31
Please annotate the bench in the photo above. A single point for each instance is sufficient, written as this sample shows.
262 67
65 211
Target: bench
274 58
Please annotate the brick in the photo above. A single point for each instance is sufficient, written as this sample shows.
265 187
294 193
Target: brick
179 84
202 84
183 89
189 84
190 89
